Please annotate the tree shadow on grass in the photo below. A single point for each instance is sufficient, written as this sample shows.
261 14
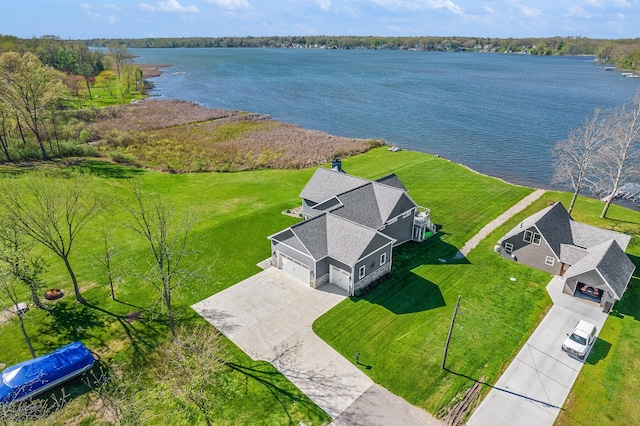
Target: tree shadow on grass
268 376
69 322
105 169
482 382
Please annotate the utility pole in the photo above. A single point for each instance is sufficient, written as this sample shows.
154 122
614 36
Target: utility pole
453 320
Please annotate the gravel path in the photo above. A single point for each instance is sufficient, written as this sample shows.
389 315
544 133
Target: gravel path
495 223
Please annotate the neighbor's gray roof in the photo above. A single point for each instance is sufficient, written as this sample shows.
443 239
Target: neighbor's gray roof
610 261
571 254
333 236
588 236
392 180
325 183
557 227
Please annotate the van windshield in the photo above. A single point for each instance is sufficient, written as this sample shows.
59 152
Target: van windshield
578 339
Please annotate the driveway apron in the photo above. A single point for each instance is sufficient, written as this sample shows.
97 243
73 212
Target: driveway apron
269 316
537 382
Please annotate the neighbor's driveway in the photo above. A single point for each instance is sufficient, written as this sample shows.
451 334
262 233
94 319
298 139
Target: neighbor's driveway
535 385
269 316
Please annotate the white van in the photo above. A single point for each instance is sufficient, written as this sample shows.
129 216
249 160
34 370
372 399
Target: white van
580 340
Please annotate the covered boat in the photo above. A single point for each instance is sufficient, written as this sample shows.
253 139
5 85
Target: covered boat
32 377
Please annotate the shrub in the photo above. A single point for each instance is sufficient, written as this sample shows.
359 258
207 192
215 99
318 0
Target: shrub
122 158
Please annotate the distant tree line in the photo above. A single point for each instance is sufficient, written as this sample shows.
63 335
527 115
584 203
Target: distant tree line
626 52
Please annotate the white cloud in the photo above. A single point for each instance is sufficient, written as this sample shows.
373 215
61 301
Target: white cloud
85 6
530 11
147 7
415 5
175 6
112 6
95 16
231 4
488 9
324 4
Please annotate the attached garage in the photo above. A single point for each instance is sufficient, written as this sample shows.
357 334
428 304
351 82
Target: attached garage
295 269
340 278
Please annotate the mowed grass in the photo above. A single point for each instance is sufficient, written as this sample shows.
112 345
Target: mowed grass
399 328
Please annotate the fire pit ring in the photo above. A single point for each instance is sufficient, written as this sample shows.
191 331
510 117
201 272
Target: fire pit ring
53 294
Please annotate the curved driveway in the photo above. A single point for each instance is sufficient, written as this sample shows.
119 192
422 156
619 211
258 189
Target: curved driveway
269 316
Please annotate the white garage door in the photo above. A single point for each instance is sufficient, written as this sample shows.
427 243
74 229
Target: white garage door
295 269
339 277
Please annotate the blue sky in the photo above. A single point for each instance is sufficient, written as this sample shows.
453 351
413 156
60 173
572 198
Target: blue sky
216 18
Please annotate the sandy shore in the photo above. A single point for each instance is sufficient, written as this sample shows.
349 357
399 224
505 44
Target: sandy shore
152 70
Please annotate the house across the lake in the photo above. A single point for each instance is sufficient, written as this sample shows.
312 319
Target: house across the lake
590 260
350 229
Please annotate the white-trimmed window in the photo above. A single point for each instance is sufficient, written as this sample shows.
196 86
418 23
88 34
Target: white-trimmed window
390 221
383 259
361 272
508 247
531 237
549 261
406 214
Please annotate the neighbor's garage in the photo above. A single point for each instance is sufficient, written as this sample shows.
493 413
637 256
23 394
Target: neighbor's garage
295 269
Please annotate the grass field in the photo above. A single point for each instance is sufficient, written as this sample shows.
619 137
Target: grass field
399 328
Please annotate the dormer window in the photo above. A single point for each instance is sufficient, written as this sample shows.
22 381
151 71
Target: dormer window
531 237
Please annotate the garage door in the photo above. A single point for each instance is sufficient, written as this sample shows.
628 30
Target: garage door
339 277
295 269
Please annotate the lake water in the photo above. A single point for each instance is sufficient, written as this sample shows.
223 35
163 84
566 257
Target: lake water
498 114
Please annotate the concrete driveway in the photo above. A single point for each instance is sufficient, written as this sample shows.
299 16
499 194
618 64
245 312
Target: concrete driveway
269 316
537 382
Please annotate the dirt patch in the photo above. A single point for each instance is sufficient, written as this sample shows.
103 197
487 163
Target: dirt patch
456 414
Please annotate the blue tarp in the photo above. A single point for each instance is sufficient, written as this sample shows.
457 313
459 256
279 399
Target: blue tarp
39 374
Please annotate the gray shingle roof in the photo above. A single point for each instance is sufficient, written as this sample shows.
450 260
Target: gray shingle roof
288 238
333 236
326 183
610 261
571 254
588 236
392 180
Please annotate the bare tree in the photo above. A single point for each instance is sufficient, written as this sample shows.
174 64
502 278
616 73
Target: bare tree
25 411
9 288
619 156
118 395
16 258
52 210
166 234
28 88
197 371
120 55
574 156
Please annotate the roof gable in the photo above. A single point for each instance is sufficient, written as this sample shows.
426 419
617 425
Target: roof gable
612 264
288 238
326 183
392 180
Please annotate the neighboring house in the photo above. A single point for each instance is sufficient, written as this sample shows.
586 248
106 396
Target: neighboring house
351 226
590 260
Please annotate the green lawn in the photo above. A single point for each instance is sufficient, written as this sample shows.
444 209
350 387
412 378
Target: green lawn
399 328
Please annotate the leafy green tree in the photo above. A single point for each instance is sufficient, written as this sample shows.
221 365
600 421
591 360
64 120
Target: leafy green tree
28 89
107 79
